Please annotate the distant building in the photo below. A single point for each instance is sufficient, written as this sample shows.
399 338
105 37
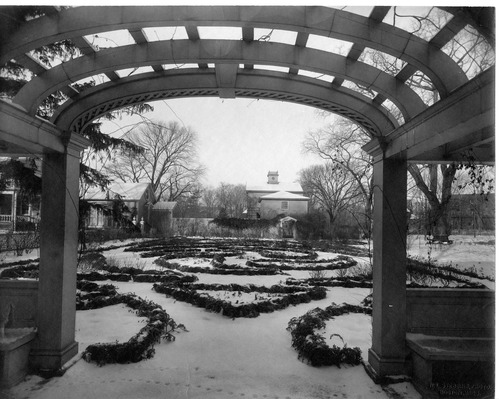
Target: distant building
468 213
138 198
162 217
17 213
275 198
472 212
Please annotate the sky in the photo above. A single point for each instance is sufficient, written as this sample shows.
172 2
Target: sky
241 140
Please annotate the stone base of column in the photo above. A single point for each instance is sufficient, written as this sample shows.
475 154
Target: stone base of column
379 368
51 361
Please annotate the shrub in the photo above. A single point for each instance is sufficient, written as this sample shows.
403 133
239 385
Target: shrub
141 346
91 261
314 274
312 226
312 346
126 263
241 224
291 296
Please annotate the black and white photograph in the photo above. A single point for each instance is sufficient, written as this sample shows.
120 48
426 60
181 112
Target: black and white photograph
247 200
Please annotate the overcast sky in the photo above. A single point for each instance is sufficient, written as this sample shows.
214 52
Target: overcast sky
240 140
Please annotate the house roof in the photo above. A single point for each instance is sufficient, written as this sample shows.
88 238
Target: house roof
271 188
284 195
162 205
127 191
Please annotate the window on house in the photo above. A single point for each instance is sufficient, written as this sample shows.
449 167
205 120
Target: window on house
284 205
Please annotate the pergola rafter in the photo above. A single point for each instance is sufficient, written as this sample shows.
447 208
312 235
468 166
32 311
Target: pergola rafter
218 51
326 22
94 102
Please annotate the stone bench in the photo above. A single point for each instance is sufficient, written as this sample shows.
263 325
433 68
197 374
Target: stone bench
14 352
452 366
18 304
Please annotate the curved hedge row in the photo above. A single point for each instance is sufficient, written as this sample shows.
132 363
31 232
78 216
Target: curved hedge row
141 346
340 260
346 282
277 254
312 346
211 304
330 266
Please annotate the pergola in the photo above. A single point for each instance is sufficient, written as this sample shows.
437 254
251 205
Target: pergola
461 119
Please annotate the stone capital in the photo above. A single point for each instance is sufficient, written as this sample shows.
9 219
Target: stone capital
376 147
75 143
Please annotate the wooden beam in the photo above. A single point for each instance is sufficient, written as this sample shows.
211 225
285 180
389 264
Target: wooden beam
248 34
453 121
84 45
192 32
138 35
31 63
226 75
31 134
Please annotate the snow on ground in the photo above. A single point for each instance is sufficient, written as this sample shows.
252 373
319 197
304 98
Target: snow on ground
224 358
354 329
238 297
217 358
327 255
466 251
109 324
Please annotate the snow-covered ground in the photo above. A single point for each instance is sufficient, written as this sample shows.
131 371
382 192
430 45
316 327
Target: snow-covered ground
465 252
223 358
217 358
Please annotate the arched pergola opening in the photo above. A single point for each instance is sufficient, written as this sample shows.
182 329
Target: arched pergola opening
462 118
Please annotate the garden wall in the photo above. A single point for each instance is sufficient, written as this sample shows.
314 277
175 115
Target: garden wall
23 296
451 312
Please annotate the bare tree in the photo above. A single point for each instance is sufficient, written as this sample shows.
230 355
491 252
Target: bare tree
473 54
169 161
231 199
331 189
340 144
437 224
209 200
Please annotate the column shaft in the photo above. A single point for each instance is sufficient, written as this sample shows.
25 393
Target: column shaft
55 342
387 354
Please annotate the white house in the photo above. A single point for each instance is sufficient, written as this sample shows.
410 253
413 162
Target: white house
275 198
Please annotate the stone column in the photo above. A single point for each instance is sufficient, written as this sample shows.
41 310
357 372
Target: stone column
55 343
387 354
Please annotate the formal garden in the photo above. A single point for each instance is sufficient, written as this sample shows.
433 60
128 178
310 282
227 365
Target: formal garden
328 285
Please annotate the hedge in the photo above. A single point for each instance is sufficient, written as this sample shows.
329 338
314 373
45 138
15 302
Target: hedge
312 347
187 293
141 346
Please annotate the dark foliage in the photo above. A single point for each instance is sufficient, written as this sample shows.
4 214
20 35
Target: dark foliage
187 293
241 224
219 269
422 273
312 226
104 142
141 346
312 347
23 176
29 270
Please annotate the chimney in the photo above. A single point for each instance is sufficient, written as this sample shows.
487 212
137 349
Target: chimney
273 177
